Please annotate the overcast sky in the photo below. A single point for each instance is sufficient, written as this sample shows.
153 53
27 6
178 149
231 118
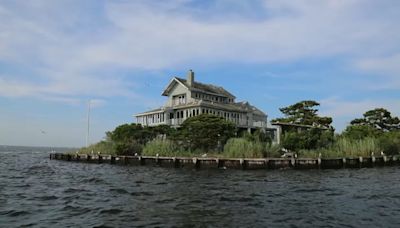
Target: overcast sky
56 55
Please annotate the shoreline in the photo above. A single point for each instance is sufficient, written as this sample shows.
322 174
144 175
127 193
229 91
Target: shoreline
233 163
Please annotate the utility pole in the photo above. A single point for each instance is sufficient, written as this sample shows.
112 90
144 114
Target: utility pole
88 124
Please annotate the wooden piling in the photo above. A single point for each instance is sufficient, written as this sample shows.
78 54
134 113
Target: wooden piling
196 163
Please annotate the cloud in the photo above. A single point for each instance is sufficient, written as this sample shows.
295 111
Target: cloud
344 111
386 65
96 103
74 49
341 108
387 68
162 38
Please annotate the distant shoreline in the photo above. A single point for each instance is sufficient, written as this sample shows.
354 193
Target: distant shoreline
41 148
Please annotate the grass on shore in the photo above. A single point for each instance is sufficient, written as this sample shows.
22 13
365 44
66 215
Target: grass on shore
164 148
234 148
243 148
103 147
344 147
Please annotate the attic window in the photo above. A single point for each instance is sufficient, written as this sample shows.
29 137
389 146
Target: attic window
180 99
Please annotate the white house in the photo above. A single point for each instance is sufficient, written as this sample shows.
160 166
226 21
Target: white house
187 98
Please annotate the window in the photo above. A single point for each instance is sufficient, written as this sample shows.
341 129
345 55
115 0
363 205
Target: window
179 99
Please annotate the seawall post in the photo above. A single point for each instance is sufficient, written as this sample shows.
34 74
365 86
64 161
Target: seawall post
196 163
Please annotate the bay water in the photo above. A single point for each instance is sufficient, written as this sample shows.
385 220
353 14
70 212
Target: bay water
38 192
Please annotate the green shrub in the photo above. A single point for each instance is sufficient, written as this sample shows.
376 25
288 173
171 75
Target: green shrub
357 132
128 148
390 142
307 139
205 132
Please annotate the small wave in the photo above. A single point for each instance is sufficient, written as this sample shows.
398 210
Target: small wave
38 169
236 199
306 190
141 194
29 225
73 190
375 197
119 191
163 201
255 195
111 211
17 177
75 210
14 213
70 208
95 180
195 201
334 194
256 205
46 198
103 226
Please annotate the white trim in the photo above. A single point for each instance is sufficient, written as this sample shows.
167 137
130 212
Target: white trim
149 113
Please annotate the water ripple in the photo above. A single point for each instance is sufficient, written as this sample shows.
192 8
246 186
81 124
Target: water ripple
35 191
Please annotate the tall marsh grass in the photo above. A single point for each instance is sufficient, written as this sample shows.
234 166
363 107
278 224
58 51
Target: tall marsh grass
103 147
165 148
345 147
243 148
234 148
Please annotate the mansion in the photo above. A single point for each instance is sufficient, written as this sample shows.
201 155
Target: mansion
188 98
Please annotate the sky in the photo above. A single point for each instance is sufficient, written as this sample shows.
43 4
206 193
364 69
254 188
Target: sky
55 56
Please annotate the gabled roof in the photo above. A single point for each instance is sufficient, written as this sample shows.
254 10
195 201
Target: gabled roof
171 85
247 106
198 87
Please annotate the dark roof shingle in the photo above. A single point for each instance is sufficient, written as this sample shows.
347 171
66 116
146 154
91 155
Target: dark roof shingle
207 88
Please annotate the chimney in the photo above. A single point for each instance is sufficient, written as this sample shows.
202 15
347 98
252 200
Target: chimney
190 78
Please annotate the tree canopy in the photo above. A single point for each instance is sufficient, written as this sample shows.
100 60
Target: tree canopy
305 113
319 134
206 132
360 131
379 119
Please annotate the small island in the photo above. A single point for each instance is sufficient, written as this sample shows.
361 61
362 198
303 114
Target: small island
202 122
